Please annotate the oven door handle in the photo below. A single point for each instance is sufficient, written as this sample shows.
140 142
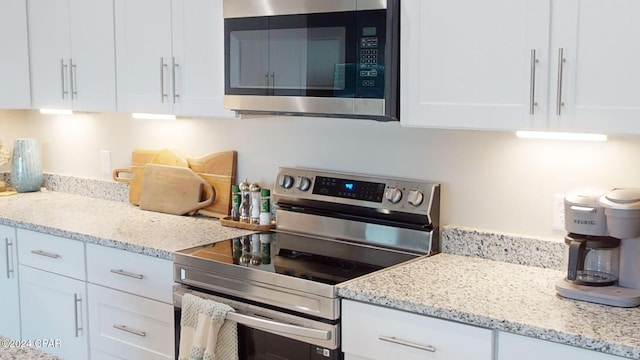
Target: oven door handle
266 324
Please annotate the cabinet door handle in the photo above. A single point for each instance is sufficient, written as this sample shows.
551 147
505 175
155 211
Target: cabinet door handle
76 300
47 254
9 257
394 340
163 67
126 273
175 66
561 61
63 80
73 84
273 83
532 83
130 330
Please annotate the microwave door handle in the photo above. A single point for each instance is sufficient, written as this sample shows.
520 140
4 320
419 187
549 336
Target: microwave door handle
261 323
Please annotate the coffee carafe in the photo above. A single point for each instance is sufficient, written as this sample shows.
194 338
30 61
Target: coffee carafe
598 222
593 260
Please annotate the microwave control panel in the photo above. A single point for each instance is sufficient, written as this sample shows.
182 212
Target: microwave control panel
370 75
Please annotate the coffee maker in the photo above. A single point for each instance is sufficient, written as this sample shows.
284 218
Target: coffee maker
603 246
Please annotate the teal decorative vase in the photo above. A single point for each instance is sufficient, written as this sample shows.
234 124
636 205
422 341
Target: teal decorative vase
26 166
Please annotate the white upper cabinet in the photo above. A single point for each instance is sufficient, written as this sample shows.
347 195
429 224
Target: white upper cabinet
198 47
468 64
170 57
495 65
143 55
14 62
72 54
600 75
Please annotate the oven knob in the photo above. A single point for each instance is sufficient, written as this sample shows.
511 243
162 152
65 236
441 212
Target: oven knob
415 197
394 195
286 181
303 183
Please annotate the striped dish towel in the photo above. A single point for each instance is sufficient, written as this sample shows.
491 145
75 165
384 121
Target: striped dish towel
204 333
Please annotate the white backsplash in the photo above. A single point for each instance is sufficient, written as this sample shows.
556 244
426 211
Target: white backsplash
490 180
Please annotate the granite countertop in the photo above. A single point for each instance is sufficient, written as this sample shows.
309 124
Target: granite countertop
498 295
15 350
111 223
468 287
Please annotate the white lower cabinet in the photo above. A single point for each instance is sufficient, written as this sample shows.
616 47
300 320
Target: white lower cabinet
10 299
54 307
518 347
372 332
53 295
128 326
130 305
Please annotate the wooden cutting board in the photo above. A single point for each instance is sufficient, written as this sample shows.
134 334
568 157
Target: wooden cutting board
134 176
173 190
218 169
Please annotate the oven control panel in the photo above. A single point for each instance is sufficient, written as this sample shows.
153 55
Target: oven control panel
383 193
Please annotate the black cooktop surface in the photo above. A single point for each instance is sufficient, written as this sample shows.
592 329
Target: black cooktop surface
263 252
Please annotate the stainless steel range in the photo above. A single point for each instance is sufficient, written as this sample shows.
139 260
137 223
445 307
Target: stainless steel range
331 227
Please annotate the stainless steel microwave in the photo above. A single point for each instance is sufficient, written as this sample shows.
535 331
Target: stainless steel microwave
337 58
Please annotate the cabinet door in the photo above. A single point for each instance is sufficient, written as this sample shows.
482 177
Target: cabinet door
93 68
72 54
50 46
10 300
469 64
600 78
143 55
517 347
14 62
198 50
54 307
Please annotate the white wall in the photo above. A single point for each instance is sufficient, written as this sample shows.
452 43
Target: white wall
490 180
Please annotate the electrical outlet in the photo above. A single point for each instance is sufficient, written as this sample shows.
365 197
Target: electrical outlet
105 161
558 212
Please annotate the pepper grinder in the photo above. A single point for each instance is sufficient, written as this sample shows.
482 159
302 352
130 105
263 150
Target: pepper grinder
245 204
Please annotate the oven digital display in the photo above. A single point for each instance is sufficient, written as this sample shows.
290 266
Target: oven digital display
349 189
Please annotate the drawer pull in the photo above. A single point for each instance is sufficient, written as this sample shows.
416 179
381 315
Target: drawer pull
45 253
392 339
126 273
130 330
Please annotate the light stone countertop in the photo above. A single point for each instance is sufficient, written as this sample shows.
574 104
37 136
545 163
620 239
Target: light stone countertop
468 287
111 223
502 296
12 350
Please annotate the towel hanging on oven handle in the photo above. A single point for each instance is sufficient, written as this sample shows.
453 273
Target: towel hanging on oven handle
259 322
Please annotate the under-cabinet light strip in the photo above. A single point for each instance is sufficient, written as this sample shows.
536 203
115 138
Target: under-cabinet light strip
56 111
153 116
560 136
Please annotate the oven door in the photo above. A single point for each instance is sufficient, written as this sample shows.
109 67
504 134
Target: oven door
331 61
270 334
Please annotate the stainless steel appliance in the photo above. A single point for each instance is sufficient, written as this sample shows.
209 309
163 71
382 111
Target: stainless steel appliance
307 57
598 222
331 227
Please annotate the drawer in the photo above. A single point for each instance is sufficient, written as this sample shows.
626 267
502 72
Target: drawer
374 332
134 273
51 253
129 326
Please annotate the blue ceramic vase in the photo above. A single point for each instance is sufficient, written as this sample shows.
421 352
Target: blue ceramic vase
26 166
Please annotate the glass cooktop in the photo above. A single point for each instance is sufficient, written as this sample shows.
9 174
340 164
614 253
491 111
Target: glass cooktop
263 252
